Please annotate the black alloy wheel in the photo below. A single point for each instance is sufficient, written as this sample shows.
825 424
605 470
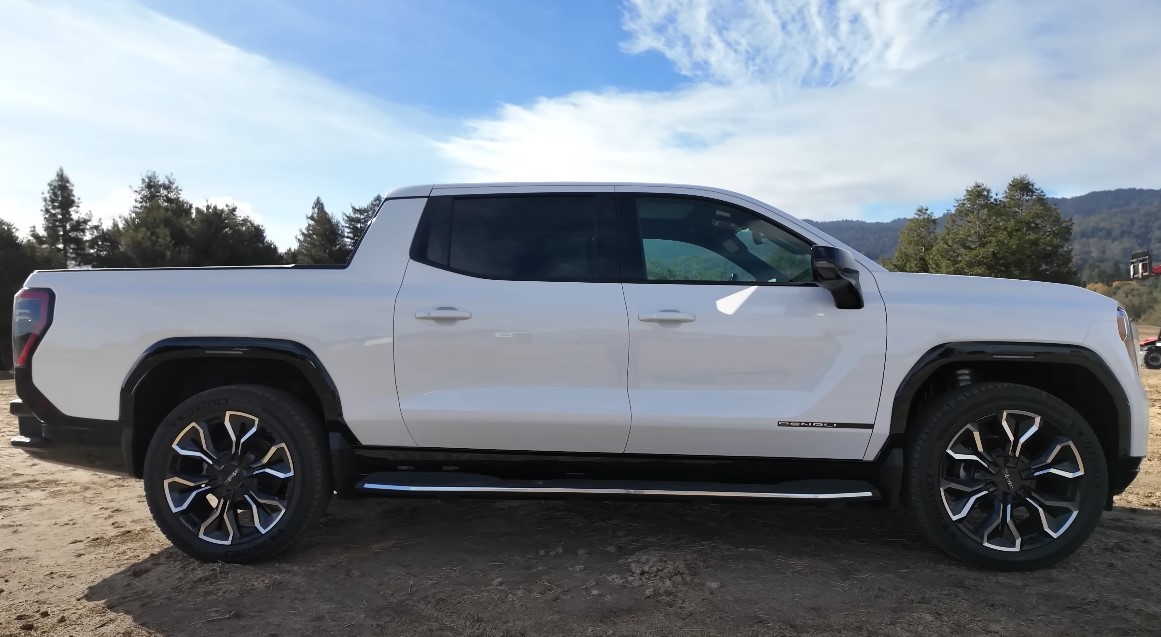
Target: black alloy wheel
1005 476
237 473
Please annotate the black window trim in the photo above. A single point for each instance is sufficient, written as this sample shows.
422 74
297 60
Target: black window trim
607 249
632 257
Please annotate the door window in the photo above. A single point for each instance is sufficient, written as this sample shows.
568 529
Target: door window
517 238
685 239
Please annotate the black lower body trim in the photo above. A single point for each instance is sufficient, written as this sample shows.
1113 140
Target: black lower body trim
1122 473
96 445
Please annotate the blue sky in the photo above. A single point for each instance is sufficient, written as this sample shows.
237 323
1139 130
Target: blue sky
453 58
825 108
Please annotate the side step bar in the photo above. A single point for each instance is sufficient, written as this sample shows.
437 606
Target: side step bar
420 483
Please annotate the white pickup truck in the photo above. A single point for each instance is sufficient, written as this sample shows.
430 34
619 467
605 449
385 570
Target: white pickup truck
608 340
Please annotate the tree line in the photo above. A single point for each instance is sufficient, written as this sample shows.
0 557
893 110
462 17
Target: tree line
161 229
1020 234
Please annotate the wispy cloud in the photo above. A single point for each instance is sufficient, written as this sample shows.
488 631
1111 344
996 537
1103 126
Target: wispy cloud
109 89
826 107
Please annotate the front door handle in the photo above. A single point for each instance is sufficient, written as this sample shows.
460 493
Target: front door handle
443 314
666 316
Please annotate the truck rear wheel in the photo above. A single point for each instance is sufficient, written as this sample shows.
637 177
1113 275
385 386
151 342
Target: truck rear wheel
1005 477
237 473
1153 358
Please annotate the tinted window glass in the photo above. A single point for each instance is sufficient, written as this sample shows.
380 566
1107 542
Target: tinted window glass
687 239
533 238
667 260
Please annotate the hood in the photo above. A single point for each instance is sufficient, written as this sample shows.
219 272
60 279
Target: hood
1048 301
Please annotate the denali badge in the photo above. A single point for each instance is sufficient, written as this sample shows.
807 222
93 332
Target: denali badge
788 423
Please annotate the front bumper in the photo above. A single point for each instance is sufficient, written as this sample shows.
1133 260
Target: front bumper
96 445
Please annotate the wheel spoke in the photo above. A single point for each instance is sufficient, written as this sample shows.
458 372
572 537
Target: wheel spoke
968 446
240 427
193 442
1061 459
1054 526
222 517
967 493
276 462
1012 428
180 490
1001 521
267 510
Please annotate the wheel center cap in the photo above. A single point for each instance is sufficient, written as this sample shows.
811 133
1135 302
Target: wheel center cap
1008 480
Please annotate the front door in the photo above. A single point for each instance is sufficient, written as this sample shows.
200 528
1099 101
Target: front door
510 326
734 351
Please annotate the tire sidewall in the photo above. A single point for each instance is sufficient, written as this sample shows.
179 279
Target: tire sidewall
1153 358
926 465
285 418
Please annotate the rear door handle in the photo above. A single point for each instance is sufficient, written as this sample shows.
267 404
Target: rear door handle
666 316
443 314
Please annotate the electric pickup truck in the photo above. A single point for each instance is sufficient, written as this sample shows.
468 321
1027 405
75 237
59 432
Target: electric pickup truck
586 340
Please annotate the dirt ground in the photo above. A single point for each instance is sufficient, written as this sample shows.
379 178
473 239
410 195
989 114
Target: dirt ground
79 555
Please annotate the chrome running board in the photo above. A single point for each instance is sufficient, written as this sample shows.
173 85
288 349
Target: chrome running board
416 483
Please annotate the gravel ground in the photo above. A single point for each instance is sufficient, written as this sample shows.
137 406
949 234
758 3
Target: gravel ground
80 556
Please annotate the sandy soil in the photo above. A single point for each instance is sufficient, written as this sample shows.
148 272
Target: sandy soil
80 556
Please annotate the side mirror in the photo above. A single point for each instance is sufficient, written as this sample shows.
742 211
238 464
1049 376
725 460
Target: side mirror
835 270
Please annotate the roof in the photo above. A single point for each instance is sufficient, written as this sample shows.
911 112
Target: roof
424 190
808 230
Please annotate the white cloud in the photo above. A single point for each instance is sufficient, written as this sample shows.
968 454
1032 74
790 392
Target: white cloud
109 89
784 44
918 102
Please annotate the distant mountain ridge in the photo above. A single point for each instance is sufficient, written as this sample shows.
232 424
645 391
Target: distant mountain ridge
1108 225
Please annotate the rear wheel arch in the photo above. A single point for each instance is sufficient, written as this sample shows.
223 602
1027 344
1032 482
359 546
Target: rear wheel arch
172 370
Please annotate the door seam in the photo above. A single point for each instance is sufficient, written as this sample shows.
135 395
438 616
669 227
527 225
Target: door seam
394 362
628 361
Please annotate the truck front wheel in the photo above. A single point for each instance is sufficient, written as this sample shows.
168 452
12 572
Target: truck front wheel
237 473
1153 358
1005 477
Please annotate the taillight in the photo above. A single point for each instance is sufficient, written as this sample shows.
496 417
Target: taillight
31 314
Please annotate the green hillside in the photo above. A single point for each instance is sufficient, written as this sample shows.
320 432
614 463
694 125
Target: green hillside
1109 225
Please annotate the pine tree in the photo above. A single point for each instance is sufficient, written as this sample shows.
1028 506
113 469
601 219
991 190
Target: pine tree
18 258
1018 235
218 235
1036 239
321 241
915 243
356 221
64 231
155 233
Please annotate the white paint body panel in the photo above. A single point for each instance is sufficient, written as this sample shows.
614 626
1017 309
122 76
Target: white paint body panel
927 310
538 366
754 355
105 320
552 366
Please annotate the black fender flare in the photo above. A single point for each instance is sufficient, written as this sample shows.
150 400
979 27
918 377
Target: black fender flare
292 352
946 354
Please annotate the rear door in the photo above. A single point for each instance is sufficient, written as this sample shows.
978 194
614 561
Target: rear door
510 325
734 351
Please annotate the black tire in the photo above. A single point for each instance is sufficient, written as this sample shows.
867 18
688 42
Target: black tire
287 435
1153 358
1025 541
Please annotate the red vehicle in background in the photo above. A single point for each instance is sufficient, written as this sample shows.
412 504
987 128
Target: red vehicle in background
1152 347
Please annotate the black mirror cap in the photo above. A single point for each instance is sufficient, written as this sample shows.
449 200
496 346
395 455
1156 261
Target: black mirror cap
835 270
